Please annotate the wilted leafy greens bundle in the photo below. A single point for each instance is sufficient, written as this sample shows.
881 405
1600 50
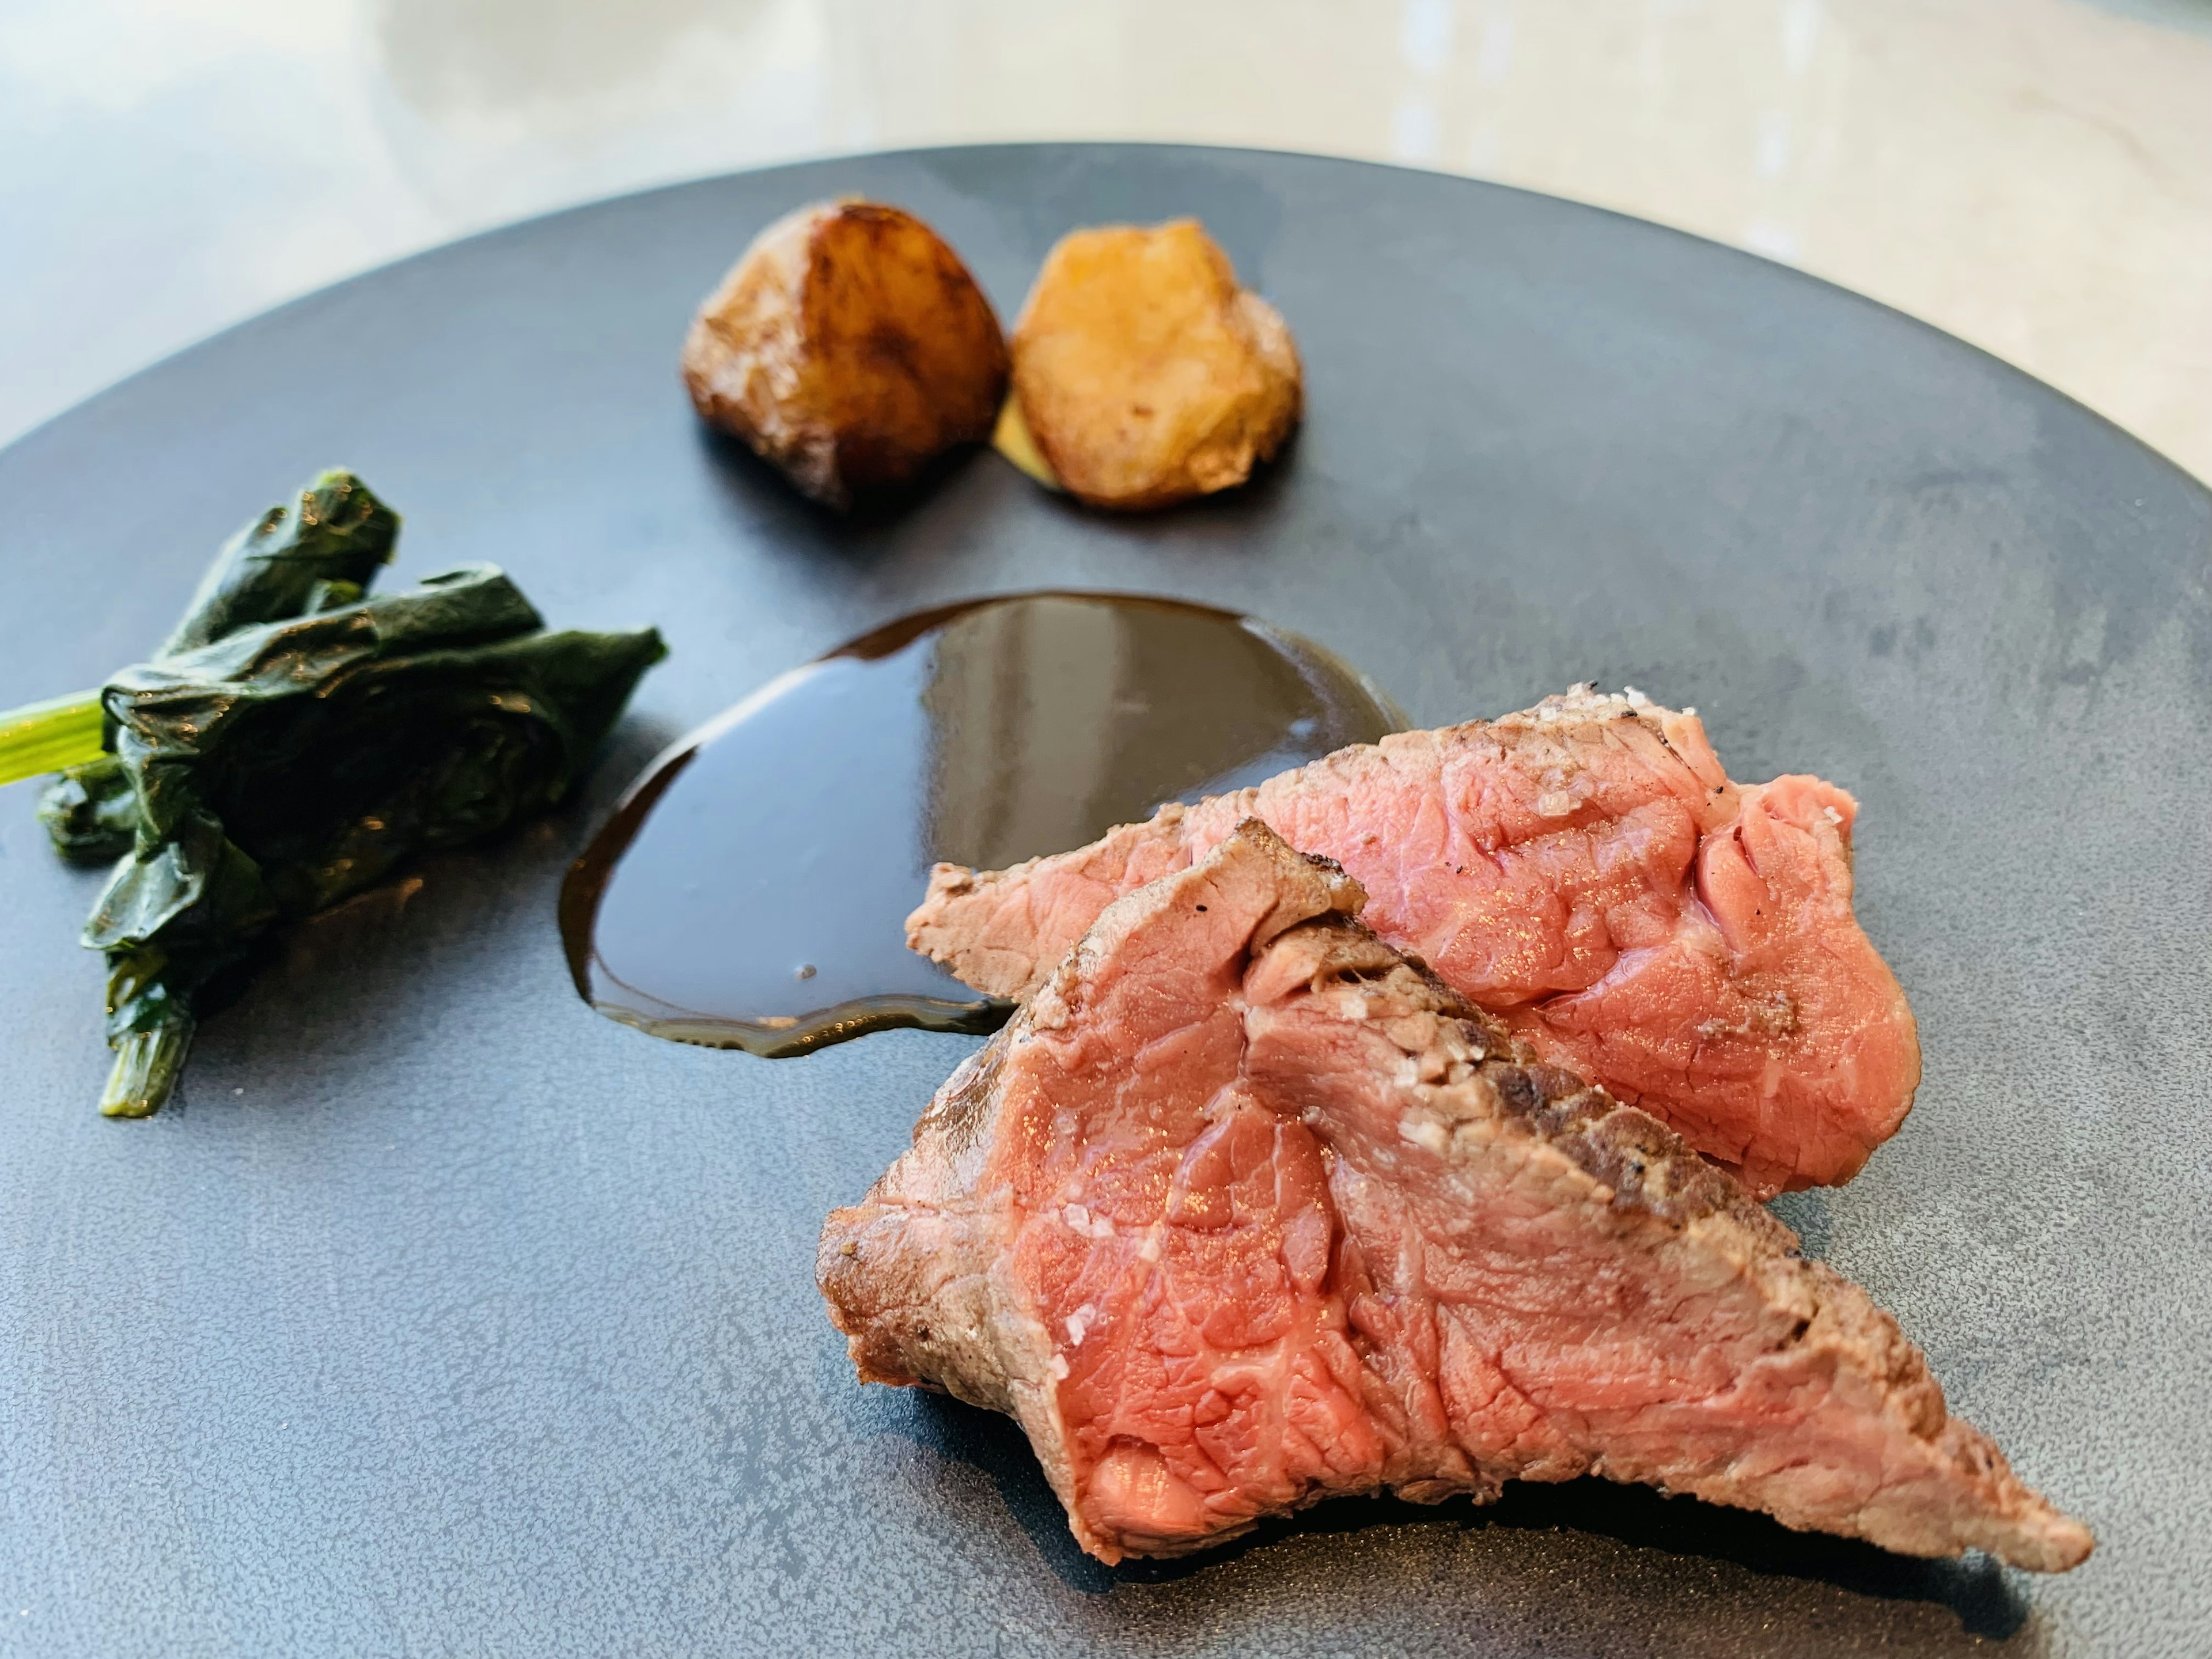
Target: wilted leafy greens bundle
290 744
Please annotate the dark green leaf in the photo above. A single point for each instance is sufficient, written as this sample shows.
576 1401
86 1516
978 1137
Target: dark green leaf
294 743
333 540
91 811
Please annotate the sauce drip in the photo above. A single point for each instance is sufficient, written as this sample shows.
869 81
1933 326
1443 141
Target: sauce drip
751 889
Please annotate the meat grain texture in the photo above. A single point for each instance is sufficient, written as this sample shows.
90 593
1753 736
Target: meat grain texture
1587 872
1244 1210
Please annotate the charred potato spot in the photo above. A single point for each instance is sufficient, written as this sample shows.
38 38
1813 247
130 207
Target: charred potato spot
848 347
1144 374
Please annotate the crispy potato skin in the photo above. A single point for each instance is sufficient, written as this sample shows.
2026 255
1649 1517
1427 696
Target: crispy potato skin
849 347
1145 375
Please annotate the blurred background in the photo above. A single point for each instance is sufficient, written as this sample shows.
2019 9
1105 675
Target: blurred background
2033 175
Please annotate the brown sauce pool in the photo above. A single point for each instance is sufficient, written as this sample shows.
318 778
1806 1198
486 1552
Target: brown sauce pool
751 889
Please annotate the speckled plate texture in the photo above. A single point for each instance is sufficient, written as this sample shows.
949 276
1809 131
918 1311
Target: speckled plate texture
441 1315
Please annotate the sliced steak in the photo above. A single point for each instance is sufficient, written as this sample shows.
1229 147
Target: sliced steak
1586 872
1243 1209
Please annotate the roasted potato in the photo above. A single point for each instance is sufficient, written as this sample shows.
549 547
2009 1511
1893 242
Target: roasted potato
849 347
1143 373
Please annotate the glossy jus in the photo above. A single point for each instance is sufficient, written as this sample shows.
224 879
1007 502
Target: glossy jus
752 888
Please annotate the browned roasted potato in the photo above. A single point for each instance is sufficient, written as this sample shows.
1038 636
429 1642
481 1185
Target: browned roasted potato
849 347
1143 373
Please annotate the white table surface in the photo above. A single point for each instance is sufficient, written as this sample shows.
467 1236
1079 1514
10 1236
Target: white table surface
2033 175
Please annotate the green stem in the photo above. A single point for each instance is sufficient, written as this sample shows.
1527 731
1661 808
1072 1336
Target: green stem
46 737
147 1065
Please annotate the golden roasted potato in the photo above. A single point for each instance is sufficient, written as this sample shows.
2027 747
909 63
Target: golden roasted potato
849 347
1144 374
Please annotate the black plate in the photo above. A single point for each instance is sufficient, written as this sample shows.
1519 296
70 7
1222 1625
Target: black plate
445 1316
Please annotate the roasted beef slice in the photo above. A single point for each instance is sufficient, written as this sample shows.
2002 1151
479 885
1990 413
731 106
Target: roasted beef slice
1586 872
1244 1209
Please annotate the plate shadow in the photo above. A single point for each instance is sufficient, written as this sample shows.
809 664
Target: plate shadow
1978 1591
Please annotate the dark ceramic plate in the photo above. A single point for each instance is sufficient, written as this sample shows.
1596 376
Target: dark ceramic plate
442 1315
